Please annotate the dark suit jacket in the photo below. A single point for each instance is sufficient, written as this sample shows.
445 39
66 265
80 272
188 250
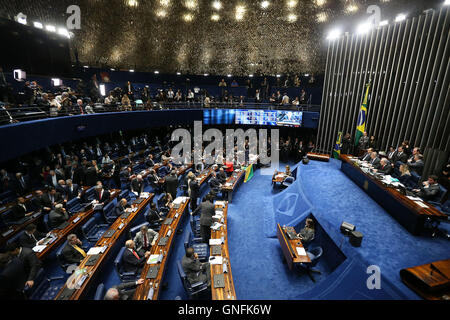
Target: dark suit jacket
171 184
195 189
429 193
387 169
74 193
222 177
149 163
137 186
126 290
207 210
105 196
192 267
56 218
375 162
49 180
27 241
90 177
18 212
365 157
20 189
214 183
78 176
153 216
130 262
12 280
397 157
46 199
71 255
31 263
118 210
417 166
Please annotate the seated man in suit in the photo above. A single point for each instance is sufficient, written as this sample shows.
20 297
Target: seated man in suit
429 189
153 215
374 160
307 233
417 164
154 180
131 260
384 167
30 262
61 188
399 155
137 185
72 190
21 211
149 162
366 156
31 237
57 216
222 176
123 291
120 207
214 183
194 269
50 199
145 239
72 252
101 195
171 184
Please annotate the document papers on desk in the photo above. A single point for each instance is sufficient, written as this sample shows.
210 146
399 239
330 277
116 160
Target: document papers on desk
420 203
414 198
215 260
215 242
220 203
39 248
96 250
216 226
301 251
154 259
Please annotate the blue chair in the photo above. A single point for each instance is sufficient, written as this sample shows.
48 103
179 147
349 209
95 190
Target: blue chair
108 211
314 255
124 276
439 198
155 225
74 205
136 229
194 289
125 194
89 194
46 223
15 238
92 230
43 288
199 247
288 182
415 177
100 292
7 196
195 226
62 262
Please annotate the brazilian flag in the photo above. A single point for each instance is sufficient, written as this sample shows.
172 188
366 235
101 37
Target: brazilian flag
361 125
337 146
248 173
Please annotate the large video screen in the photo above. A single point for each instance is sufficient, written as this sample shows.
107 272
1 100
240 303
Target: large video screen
253 117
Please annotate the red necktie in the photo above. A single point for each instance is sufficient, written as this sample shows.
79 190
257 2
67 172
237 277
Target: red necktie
136 255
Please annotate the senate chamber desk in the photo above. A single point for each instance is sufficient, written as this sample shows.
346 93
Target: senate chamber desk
291 248
73 223
93 264
151 287
228 292
232 183
409 213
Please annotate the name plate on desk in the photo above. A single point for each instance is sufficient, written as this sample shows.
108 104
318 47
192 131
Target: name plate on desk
152 272
219 281
109 233
163 241
216 250
4 234
168 221
62 226
125 215
92 260
138 201
66 294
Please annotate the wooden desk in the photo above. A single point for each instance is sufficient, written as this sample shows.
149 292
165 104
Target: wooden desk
142 290
428 282
80 219
93 271
318 156
289 247
227 293
234 181
278 178
407 212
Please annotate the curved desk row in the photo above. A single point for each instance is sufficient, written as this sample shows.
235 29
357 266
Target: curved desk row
232 183
94 263
154 273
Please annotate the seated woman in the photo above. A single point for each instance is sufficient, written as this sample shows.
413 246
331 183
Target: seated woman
166 203
405 176
307 233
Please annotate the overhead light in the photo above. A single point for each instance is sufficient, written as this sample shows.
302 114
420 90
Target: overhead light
447 3
164 3
50 28
321 17
215 17
306 74
278 75
56 82
265 4
102 90
320 2
86 67
188 17
334 34
112 69
178 73
292 17
292 3
191 4
156 72
229 75
383 23
21 18
64 32
363 28
38 25
217 5
161 13
250 76
131 70
205 74
240 12
351 8
132 3
400 17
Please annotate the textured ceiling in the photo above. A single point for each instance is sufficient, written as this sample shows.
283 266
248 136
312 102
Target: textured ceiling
115 34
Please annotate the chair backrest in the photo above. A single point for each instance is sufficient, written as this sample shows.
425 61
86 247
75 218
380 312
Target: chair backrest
15 238
187 239
109 208
89 195
315 254
60 257
73 205
183 277
441 195
118 260
7 217
88 226
38 279
46 222
100 292
415 176
289 180
136 229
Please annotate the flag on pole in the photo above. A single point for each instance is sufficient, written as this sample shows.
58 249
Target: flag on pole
361 124
337 146
248 173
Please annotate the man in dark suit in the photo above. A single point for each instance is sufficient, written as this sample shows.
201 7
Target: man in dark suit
207 210
214 183
366 156
77 174
374 160
57 216
194 269
384 167
171 184
417 164
399 155
149 162
52 179
61 188
119 209
153 215
21 185
12 278
30 262
72 190
222 176
194 192
123 291
429 189
101 195
131 260
50 199
31 237
137 185
90 176
72 252
21 210
36 202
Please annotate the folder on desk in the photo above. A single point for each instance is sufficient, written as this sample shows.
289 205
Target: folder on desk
152 272
125 215
216 250
168 221
301 251
163 241
66 294
39 248
219 281
92 260
215 242
109 233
